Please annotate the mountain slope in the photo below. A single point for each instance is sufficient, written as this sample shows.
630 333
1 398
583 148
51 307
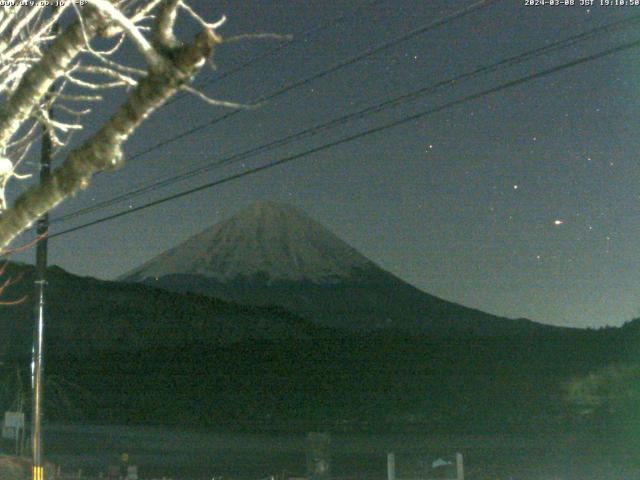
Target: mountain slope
274 254
269 240
87 315
138 354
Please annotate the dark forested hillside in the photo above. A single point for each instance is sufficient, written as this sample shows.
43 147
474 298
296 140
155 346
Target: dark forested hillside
136 354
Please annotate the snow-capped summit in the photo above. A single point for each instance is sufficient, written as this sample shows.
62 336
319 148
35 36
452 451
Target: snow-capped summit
274 241
273 254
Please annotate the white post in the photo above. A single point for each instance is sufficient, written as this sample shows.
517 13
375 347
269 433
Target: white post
391 466
459 467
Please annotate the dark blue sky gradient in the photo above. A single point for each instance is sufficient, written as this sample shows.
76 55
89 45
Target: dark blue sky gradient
463 204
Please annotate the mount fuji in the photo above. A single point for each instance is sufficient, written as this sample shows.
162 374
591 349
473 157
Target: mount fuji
274 254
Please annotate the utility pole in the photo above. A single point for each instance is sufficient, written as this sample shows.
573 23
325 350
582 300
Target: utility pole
42 227
38 333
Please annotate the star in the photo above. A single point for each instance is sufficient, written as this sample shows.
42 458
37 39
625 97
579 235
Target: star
515 187
558 222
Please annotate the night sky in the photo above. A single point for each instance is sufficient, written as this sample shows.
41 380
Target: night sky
522 203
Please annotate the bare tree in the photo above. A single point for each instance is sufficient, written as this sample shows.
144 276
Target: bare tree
35 56
7 281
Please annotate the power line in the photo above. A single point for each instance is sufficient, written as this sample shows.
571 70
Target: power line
287 88
402 121
504 63
272 51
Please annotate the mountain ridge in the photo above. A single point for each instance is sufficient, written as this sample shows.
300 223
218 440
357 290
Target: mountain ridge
141 354
267 238
272 253
133 317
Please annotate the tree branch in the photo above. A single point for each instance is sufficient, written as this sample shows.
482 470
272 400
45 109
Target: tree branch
37 81
152 58
103 151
